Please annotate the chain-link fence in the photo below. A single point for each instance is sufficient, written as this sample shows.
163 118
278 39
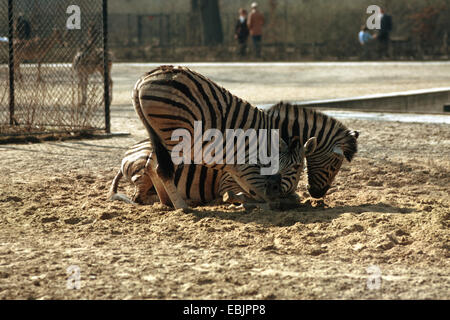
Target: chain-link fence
172 30
54 75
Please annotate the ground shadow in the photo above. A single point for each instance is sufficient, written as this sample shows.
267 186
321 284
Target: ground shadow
79 146
305 214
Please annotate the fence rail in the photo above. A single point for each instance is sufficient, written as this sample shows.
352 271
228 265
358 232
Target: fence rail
53 78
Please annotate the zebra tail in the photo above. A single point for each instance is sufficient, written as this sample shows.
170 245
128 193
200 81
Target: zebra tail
165 164
115 185
113 195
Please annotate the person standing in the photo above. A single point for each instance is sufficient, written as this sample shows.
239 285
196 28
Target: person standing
255 25
364 38
241 32
23 28
383 36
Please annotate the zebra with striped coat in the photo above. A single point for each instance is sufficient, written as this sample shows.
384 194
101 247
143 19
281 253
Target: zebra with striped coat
168 98
335 142
171 98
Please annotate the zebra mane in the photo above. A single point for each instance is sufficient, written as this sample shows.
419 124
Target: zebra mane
345 138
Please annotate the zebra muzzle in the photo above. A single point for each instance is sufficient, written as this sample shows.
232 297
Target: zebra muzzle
318 193
273 186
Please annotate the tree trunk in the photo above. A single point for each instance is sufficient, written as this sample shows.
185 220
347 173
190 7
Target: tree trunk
210 18
194 34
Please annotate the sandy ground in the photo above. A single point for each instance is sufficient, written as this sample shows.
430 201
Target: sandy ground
389 208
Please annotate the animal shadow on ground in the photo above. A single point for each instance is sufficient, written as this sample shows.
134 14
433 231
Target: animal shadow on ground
305 213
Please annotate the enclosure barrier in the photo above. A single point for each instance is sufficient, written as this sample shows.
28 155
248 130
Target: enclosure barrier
54 67
434 100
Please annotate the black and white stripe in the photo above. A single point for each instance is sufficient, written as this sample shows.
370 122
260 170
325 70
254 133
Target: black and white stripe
334 142
170 98
196 184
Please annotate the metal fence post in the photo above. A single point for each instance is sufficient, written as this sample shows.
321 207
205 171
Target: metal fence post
106 67
11 61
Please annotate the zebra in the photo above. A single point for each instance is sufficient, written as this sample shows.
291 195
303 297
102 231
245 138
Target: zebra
199 184
335 142
169 98
89 60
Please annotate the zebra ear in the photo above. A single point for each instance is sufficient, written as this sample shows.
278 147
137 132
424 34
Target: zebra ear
283 146
294 143
354 133
310 146
338 150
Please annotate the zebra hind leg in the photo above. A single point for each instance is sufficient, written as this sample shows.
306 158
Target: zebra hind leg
165 187
161 170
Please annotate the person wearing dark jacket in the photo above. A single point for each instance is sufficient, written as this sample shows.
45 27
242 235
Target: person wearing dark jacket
241 32
23 28
383 35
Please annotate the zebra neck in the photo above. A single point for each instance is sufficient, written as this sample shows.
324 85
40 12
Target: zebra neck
326 129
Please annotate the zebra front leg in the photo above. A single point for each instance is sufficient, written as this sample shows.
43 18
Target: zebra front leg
261 188
83 91
82 88
246 202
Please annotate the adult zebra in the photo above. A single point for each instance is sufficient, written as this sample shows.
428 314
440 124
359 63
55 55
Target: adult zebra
168 98
334 142
171 98
199 184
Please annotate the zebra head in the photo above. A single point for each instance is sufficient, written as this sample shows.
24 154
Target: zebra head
291 163
292 158
323 166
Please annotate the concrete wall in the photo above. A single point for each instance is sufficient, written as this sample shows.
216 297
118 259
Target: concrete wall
418 101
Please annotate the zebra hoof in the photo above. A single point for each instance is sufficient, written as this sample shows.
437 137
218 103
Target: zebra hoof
227 197
231 197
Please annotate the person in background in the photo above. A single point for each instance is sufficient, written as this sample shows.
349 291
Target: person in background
383 34
23 28
364 38
255 25
241 32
